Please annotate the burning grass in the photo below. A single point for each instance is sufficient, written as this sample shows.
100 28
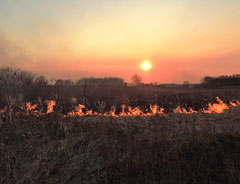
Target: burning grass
43 145
164 148
218 107
85 135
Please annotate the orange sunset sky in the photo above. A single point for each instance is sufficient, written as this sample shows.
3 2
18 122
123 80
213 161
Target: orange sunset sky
184 39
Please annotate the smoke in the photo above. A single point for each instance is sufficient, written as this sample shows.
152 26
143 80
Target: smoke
166 69
13 54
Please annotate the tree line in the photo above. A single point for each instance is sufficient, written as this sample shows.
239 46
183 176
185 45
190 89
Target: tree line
18 80
91 81
225 80
16 77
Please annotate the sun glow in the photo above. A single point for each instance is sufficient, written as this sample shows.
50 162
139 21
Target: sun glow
146 65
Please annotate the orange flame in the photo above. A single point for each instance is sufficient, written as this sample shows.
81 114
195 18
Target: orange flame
89 113
123 113
219 107
235 104
80 108
50 105
184 111
31 107
131 111
112 112
155 109
134 111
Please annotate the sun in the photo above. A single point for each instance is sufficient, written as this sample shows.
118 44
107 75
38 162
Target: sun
146 65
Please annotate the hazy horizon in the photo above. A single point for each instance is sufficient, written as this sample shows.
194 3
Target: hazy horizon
185 40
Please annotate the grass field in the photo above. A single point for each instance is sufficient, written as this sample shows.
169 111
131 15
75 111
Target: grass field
103 98
165 149
169 148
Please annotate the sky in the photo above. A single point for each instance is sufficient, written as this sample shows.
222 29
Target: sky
184 39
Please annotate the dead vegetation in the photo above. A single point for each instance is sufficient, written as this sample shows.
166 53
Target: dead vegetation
167 148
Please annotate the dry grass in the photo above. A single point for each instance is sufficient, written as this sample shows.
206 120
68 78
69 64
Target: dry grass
165 149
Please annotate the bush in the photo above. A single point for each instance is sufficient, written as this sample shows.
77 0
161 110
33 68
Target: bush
15 81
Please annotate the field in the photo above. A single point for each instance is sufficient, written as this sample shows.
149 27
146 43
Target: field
120 92
167 148
102 98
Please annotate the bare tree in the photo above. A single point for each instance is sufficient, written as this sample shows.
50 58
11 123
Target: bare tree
136 80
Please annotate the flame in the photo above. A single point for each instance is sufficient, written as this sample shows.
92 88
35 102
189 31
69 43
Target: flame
184 111
112 112
80 108
89 113
130 111
50 105
219 107
155 109
123 113
31 107
134 111
235 104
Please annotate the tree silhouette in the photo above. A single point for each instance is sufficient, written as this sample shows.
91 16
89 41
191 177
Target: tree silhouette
224 80
136 80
